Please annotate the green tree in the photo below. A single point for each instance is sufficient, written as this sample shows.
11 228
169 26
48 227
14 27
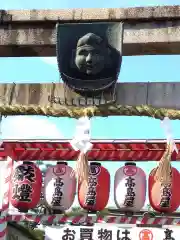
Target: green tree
35 234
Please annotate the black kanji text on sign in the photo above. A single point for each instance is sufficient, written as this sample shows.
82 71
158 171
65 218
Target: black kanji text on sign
68 234
86 234
104 234
168 235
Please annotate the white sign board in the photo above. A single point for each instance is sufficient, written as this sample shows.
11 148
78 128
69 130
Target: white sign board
110 233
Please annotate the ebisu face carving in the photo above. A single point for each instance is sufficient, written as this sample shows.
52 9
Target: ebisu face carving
92 54
89 58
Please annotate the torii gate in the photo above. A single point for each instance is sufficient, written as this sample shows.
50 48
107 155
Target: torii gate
32 33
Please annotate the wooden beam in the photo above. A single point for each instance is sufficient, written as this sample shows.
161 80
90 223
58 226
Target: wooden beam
152 30
35 99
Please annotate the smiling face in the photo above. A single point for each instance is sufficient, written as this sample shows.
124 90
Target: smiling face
91 54
90 60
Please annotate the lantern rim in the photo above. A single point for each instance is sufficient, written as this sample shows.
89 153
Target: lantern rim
64 163
23 210
95 164
130 164
28 162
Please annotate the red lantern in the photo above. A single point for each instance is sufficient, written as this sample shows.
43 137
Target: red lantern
26 186
95 195
164 197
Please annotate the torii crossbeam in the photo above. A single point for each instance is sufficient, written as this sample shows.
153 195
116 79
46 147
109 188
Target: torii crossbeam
103 150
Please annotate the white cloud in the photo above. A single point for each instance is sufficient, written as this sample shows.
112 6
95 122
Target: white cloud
25 127
50 60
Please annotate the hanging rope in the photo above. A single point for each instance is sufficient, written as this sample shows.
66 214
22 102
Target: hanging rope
81 142
103 110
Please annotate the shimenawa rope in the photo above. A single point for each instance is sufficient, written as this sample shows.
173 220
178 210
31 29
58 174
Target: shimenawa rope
103 110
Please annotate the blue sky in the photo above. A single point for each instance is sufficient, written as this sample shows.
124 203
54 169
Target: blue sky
20 4
134 69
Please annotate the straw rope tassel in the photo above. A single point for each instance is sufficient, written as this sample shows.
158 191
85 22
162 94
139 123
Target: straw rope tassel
163 171
82 168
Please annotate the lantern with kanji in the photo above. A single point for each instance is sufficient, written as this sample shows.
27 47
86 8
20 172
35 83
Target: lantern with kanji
94 196
59 187
26 186
164 197
130 188
163 185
